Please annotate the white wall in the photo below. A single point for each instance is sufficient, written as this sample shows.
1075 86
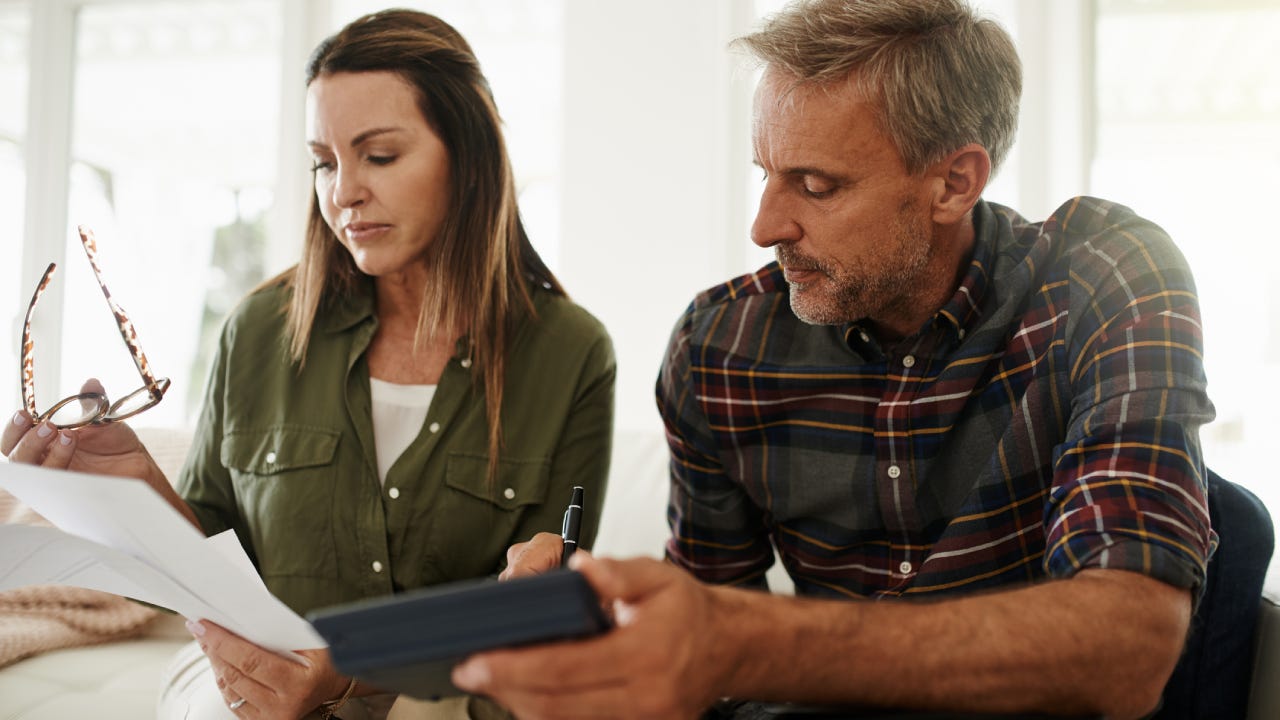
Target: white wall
651 209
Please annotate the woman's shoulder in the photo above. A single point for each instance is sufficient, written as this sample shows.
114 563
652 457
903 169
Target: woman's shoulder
559 317
563 329
263 308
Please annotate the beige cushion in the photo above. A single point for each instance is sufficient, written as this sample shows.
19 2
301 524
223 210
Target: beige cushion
119 680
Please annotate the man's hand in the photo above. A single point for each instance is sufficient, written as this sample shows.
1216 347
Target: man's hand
1102 642
540 554
664 658
270 685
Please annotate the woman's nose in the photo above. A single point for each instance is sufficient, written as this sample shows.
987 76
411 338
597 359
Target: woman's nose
349 189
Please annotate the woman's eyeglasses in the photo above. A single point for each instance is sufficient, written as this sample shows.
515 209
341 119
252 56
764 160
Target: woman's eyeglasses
90 407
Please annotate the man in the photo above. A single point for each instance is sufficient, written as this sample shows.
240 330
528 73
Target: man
926 397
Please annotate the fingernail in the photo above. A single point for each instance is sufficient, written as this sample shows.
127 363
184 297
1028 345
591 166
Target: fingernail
64 438
195 628
19 419
45 430
471 675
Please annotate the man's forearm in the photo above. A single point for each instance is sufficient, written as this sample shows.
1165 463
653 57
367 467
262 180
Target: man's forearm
1103 642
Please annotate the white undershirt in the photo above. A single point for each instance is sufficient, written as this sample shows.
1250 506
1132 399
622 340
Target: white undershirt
398 414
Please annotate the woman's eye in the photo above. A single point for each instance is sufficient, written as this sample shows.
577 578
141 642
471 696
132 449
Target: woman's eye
320 165
382 159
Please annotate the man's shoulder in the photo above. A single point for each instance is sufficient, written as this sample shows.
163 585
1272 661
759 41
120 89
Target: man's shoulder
740 291
1089 239
748 316
1094 225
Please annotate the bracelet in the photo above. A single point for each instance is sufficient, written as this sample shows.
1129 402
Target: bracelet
329 707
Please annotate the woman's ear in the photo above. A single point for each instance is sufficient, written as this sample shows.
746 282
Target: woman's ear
963 174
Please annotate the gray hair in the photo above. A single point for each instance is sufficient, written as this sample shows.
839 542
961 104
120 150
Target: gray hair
939 76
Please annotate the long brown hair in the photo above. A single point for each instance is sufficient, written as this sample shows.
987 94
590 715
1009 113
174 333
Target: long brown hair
481 264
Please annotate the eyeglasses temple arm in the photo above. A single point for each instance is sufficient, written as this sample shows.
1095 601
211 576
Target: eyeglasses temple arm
28 345
127 332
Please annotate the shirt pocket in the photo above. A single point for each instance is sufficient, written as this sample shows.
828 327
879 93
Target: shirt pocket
284 479
477 518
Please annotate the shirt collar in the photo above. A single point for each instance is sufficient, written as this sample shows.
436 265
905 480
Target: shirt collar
350 308
962 312
357 306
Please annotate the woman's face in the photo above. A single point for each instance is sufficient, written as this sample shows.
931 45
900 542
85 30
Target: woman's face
381 173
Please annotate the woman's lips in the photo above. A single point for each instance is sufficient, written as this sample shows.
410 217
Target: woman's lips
364 232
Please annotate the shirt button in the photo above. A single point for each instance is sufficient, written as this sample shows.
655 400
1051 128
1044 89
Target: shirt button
465 362
434 427
377 566
904 567
271 457
865 337
508 493
394 493
894 471
908 361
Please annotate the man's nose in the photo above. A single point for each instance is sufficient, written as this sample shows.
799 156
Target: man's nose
774 223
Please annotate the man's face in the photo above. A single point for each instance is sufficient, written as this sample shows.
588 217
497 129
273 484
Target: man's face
850 227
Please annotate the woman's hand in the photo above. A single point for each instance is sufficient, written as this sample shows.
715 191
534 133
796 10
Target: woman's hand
110 449
107 449
534 557
270 685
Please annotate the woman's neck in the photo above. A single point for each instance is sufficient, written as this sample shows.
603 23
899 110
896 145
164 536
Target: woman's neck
397 354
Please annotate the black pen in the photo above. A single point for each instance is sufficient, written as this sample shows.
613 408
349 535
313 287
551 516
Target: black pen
572 524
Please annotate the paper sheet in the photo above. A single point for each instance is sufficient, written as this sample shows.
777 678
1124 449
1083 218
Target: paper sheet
120 536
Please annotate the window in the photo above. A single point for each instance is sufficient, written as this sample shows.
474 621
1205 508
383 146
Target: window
1188 135
13 123
173 129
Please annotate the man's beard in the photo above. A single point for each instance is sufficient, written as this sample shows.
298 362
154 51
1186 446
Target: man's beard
848 294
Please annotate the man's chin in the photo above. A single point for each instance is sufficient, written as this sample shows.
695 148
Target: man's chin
814 309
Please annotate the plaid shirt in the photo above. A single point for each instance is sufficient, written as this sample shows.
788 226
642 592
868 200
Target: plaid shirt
1044 421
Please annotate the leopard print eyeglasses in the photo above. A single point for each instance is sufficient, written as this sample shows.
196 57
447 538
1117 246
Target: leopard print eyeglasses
89 407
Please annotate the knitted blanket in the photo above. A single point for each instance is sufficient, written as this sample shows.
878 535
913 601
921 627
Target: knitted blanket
39 618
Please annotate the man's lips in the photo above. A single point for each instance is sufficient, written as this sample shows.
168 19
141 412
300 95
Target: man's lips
800 274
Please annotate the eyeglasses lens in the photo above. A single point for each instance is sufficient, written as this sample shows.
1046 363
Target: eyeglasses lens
77 410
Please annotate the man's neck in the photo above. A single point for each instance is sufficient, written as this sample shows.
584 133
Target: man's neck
939 281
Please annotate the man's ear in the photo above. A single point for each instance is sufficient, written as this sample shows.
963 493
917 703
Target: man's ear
962 176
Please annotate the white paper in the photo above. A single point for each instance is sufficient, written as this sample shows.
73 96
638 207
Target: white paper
120 536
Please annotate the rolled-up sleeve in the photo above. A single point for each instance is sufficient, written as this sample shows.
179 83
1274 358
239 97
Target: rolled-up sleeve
1129 488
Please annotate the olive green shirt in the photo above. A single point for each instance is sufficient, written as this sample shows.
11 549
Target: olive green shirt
285 457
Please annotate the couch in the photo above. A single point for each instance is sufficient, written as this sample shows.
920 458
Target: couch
120 680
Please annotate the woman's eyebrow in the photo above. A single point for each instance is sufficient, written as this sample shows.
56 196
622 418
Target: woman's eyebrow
361 138
372 133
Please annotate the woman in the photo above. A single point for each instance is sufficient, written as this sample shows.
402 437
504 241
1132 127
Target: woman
416 395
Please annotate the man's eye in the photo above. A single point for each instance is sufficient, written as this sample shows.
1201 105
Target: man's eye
818 188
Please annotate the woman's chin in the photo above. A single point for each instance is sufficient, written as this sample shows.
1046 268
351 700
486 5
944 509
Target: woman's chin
384 267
